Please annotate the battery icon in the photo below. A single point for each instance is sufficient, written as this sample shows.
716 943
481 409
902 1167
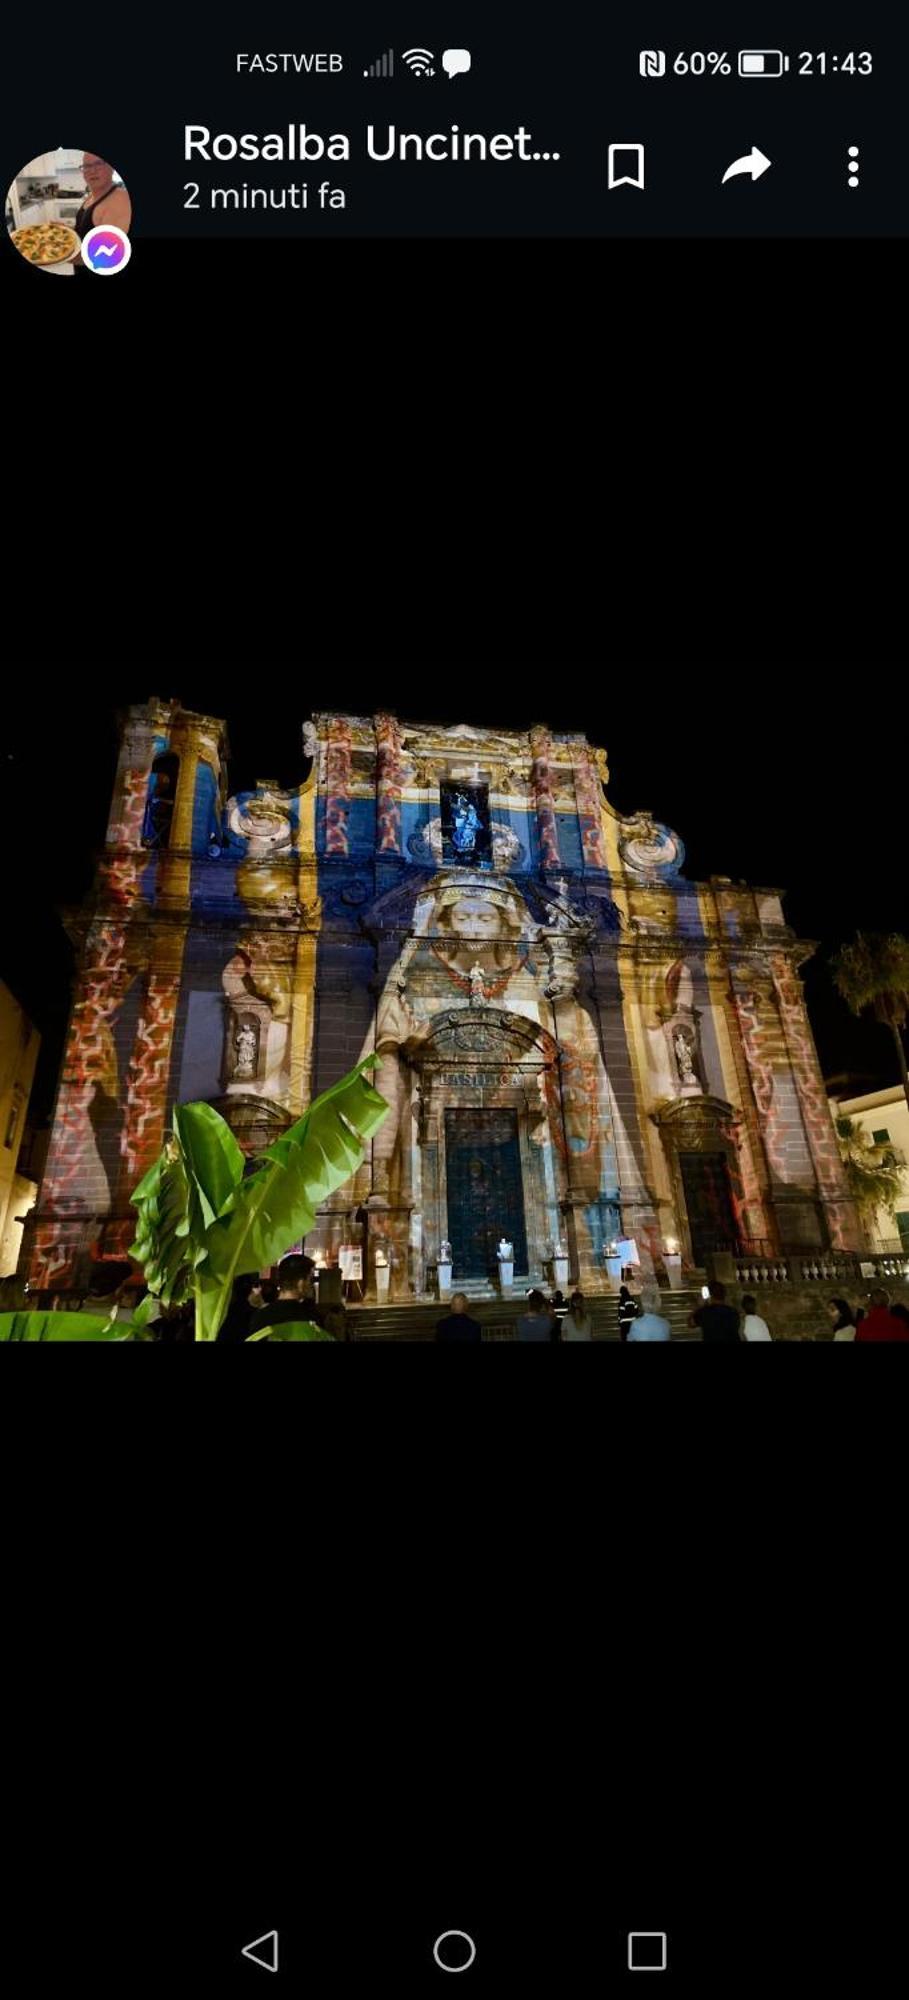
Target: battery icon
762 62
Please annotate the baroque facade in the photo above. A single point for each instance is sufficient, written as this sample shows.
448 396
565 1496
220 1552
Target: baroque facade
577 1043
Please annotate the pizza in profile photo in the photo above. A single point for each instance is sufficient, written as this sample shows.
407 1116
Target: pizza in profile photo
46 242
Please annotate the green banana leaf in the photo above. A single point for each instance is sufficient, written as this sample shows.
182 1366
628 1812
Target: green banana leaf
290 1329
61 1326
204 1221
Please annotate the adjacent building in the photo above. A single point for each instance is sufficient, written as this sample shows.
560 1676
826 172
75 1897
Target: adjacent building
883 1115
19 1045
578 1043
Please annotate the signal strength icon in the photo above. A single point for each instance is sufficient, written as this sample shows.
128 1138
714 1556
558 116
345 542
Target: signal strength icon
420 61
383 66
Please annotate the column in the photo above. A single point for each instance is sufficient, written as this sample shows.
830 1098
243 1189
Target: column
77 1178
845 1230
542 795
148 1075
589 794
389 779
337 786
737 1089
303 1017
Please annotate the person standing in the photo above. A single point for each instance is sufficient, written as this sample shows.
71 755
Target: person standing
650 1324
842 1319
296 1296
537 1323
558 1309
628 1311
879 1322
577 1324
753 1326
458 1325
717 1320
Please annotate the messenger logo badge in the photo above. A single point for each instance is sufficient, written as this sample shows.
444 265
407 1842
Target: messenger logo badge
106 250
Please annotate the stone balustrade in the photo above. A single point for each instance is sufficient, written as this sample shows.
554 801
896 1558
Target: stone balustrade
829 1267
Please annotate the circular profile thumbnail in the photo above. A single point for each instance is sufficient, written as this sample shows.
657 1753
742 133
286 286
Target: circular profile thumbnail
61 199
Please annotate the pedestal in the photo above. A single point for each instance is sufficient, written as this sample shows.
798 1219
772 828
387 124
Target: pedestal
614 1272
506 1279
443 1273
329 1286
383 1276
673 1263
560 1273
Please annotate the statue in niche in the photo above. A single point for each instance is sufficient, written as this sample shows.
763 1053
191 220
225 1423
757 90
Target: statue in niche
246 1043
465 824
683 1058
564 923
477 986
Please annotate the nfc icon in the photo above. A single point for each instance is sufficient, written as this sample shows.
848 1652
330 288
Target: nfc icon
653 62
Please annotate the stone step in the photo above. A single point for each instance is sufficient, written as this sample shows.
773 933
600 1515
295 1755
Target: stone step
497 1318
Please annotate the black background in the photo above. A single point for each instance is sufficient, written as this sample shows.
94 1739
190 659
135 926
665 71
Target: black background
538 1639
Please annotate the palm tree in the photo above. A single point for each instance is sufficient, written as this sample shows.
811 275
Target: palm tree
874 973
873 1170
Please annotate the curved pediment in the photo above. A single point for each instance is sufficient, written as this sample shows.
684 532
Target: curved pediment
487 1035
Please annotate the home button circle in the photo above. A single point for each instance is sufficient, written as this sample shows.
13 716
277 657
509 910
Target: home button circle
454 1951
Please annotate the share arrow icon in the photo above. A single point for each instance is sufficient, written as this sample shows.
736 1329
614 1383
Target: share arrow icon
754 163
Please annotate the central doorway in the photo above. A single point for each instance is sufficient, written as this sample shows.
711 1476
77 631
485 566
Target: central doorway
708 1199
485 1191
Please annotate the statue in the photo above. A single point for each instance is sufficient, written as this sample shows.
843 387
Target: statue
310 740
477 987
465 824
444 1251
505 1251
246 1043
683 1057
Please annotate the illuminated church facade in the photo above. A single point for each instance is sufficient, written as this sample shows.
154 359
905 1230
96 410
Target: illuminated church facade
578 1044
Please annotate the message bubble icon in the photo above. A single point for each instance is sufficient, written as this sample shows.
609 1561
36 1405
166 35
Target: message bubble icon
455 62
105 250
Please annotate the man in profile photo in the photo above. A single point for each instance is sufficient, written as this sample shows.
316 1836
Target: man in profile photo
106 199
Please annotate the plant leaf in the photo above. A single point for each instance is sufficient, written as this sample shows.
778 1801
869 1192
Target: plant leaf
60 1326
276 1205
290 1329
213 1160
203 1222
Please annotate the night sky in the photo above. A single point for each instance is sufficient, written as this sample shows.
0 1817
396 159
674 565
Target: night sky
766 779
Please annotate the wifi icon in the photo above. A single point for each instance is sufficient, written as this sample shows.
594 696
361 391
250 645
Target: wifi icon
421 61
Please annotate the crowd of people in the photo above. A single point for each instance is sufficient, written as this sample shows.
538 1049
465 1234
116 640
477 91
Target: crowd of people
640 1317
289 1297
542 1319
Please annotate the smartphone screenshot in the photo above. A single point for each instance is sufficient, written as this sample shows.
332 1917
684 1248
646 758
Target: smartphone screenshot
452 732
639 122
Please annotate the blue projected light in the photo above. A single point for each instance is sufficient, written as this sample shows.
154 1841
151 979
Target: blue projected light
466 824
